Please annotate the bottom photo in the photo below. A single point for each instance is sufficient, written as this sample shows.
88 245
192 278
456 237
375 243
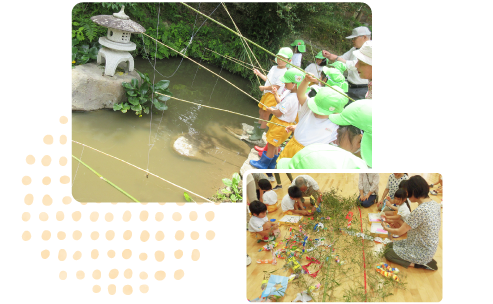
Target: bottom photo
344 237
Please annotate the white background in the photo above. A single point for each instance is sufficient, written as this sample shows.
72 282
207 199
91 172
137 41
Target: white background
432 114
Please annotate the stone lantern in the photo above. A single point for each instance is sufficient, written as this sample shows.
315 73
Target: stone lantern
117 42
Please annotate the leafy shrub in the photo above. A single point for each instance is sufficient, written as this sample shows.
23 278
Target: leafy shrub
81 54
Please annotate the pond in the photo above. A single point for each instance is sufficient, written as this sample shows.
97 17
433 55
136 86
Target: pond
148 143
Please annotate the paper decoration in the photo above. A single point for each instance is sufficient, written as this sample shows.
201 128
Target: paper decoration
290 219
276 286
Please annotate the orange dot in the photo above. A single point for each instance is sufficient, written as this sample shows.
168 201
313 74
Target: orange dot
108 217
46 235
28 199
48 139
111 254
110 234
126 254
47 200
143 275
176 216
159 216
62 161
194 235
96 288
45 254
30 159
46 180
94 216
210 235
209 216
26 216
77 255
159 255
63 120
126 216
180 204
111 289
46 160
63 139
26 180
144 215
193 216
159 236
43 216
127 273
179 235
195 255
161 204
199 203
113 273
67 200
127 289
59 216
96 274
144 236
77 235
127 235
62 255
62 275
178 254
80 275
61 235
143 256
76 216
217 204
94 254
144 288
26 235
179 274
64 179
94 235
160 275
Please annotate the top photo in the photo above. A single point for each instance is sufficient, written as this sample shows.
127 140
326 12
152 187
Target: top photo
174 102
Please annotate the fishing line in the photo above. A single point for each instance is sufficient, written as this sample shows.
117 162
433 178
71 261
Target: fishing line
210 97
196 70
73 181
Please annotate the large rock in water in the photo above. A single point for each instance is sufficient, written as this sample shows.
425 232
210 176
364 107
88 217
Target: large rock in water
93 91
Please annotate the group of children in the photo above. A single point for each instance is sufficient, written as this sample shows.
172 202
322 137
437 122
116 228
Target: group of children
301 104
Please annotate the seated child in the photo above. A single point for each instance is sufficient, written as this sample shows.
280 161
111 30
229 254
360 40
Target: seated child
284 115
291 203
272 80
403 208
259 222
383 207
316 68
267 195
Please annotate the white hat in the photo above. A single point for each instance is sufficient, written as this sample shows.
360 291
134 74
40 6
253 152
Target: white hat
359 31
364 53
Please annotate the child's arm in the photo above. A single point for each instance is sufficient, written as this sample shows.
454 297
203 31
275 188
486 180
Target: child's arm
262 76
274 111
276 96
290 128
388 204
261 195
302 89
270 88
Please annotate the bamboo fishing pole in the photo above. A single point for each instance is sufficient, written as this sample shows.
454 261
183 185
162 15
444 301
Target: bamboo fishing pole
198 104
267 51
185 56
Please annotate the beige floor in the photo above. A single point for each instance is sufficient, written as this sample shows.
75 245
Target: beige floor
422 285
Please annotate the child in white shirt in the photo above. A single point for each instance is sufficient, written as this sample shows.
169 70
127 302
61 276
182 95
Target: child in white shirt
291 203
316 68
299 47
402 206
267 195
259 222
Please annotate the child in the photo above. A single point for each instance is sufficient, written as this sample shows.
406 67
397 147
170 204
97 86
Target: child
299 47
259 222
403 208
338 65
272 80
314 125
267 196
284 115
402 185
316 68
291 203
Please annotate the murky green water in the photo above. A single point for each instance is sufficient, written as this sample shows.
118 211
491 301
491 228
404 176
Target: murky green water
127 137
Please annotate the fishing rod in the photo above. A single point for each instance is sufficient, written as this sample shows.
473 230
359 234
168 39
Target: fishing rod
267 51
242 63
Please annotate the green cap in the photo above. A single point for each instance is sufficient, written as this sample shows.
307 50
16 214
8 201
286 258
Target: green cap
338 65
327 101
300 44
335 78
285 52
322 156
293 76
319 55
366 142
357 114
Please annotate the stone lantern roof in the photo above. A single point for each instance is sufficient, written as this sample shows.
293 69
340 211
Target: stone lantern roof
119 21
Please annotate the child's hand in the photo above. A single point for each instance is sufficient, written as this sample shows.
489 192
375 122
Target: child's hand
387 203
380 203
256 72
274 89
270 109
261 88
310 78
290 129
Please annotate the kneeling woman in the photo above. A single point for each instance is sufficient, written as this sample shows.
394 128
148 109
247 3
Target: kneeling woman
422 227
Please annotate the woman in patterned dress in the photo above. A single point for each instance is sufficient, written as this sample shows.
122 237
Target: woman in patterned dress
422 227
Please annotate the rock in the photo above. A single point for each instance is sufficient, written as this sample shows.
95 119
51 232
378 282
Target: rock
246 165
244 136
93 91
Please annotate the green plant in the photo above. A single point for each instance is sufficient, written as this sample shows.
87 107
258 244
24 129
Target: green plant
232 190
81 54
141 96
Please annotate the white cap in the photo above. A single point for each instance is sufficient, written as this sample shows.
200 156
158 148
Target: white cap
364 53
359 31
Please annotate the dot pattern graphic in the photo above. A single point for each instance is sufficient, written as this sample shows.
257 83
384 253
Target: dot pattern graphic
96 225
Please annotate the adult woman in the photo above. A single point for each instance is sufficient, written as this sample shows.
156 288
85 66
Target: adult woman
368 188
422 227
392 185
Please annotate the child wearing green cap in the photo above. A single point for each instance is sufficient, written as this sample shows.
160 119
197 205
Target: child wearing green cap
338 65
272 80
299 47
316 68
334 77
284 115
314 125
